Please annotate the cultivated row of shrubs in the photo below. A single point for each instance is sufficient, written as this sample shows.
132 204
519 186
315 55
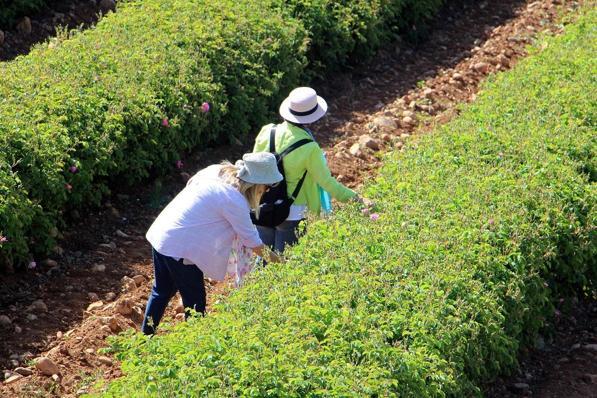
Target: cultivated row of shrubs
479 224
106 106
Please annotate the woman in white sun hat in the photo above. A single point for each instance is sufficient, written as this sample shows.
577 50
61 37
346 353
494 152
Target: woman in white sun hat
306 163
194 235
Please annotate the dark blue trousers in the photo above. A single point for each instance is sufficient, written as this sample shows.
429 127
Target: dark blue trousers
170 276
281 236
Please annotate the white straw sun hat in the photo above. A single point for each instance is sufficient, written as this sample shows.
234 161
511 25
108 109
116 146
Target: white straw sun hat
303 106
259 168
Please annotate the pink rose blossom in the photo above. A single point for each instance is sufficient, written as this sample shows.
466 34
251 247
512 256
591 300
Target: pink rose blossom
68 187
205 107
179 164
3 239
32 265
73 169
374 217
165 122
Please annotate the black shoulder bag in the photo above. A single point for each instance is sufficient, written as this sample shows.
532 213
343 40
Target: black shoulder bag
275 203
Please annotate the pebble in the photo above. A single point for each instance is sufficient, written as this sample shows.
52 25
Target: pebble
385 123
122 234
503 60
95 306
12 379
24 26
139 279
38 305
98 268
185 176
591 347
589 378
520 388
355 149
128 284
110 296
114 325
5 321
481 67
408 121
105 361
46 366
56 378
24 371
31 317
124 307
93 296
369 142
50 263
111 245
18 329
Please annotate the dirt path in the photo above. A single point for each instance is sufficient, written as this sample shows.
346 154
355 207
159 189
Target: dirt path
562 364
36 28
97 286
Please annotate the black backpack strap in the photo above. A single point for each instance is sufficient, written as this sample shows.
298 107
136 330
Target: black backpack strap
272 139
294 146
298 188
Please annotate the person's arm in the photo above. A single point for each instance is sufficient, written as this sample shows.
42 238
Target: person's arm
319 171
237 214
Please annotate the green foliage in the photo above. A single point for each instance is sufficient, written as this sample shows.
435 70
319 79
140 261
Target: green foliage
97 100
478 225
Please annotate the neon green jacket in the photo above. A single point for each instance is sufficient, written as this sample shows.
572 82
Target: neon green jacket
308 157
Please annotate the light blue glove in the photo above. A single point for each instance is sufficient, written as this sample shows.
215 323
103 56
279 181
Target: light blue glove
324 196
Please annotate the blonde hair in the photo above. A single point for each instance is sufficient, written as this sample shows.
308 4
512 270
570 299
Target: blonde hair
250 191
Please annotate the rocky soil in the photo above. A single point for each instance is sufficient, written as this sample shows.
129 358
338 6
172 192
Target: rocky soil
55 319
60 14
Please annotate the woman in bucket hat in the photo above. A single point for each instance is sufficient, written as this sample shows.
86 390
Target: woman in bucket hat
193 236
302 107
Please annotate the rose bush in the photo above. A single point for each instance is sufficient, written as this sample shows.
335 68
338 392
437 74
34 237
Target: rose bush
480 225
153 80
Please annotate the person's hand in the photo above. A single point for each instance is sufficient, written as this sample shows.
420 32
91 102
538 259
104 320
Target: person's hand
364 202
274 257
258 251
269 255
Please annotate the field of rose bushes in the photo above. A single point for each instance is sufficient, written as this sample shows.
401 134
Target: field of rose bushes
480 224
107 106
